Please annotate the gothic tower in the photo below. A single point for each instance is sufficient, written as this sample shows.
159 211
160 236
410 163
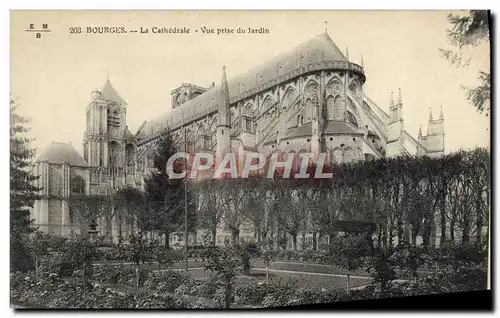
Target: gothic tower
435 135
395 127
223 120
104 141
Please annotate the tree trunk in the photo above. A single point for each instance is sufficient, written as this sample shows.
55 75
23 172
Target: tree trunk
137 282
452 231
214 236
315 241
348 289
120 234
442 211
331 237
414 234
109 230
426 237
235 235
479 222
167 238
227 303
390 233
466 230
401 234
379 240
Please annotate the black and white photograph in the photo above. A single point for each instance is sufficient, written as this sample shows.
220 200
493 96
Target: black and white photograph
250 160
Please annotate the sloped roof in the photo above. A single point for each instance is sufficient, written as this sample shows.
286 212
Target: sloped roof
331 127
317 49
109 93
340 127
128 135
60 152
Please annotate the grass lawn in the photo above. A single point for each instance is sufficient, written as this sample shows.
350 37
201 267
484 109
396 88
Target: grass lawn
303 279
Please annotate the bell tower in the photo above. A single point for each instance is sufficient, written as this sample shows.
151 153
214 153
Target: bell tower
103 142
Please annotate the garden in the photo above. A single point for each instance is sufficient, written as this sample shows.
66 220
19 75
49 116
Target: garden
79 274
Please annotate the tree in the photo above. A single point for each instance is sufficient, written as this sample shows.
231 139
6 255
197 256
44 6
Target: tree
130 206
88 208
255 205
222 262
232 201
470 30
164 195
209 212
349 252
23 192
292 208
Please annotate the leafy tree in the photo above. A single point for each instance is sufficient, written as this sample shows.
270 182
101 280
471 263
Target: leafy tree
222 262
470 30
349 252
130 206
209 212
233 201
165 196
255 209
23 192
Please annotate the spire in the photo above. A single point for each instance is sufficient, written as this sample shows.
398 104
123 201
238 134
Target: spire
326 26
420 132
362 63
109 93
107 76
441 116
400 100
392 100
430 114
347 54
223 101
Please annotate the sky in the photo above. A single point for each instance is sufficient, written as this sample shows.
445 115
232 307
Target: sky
52 77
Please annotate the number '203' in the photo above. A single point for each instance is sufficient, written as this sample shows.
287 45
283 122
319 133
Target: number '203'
75 30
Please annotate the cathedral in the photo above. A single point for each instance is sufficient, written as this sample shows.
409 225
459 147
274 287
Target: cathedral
308 99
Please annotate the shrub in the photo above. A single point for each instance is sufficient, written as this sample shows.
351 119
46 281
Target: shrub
166 281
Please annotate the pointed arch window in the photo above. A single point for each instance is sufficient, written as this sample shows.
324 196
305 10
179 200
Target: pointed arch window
330 107
248 124
113 157
337 108
308 111
77 185
113 118
200 138
130 154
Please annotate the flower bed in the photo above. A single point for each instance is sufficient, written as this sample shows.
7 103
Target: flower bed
54 292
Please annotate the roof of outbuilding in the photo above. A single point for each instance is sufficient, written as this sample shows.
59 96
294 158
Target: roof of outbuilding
60 152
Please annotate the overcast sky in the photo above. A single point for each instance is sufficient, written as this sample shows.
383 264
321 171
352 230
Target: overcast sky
52 77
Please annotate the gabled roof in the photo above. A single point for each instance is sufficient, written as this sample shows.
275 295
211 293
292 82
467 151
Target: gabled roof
109 93
317 49
60 152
